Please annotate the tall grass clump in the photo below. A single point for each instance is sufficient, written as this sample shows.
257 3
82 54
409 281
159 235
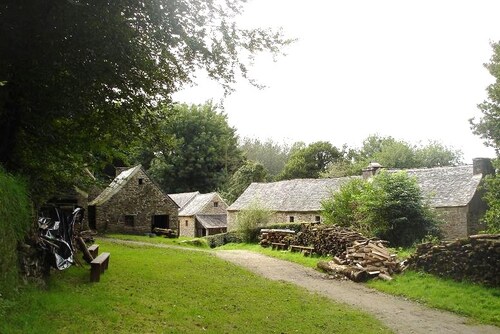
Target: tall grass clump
15 220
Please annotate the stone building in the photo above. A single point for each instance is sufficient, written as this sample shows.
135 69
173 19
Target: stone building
200 214
454 192
132 203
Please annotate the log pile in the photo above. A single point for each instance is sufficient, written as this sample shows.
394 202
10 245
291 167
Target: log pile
476 259
282 236
362 261
327 240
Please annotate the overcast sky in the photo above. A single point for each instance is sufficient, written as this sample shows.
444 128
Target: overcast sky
412 70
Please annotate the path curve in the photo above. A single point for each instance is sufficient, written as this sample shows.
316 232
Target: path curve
399 314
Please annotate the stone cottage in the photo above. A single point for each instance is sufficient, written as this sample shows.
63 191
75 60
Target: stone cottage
132 203
454 192
200 214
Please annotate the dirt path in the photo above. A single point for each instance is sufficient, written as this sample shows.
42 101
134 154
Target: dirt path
401 315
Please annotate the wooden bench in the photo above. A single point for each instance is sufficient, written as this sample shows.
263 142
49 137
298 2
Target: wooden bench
303 249
94 250
278 246
98 266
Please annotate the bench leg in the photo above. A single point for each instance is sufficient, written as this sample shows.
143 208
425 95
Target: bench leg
95 272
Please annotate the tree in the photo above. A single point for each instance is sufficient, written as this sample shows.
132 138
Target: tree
310 161
270 154
488 128
389 206
250 220
198 152
242 178
80 78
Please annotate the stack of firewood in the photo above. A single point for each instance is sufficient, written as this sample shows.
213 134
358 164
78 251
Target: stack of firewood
476 258
270 236
327 240
362 261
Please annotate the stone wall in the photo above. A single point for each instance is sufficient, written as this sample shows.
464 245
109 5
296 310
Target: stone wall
139 199
187 226
278 217
211 209
455 221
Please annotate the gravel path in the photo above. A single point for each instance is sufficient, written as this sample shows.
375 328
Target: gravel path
399 314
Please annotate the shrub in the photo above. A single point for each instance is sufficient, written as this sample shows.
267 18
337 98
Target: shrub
250 220
297 227
221 239
15 221
389 206
492 198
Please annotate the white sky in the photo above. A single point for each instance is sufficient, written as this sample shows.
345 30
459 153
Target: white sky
408 69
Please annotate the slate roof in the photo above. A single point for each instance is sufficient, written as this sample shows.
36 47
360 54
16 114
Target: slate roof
447 186
182 199
298 195
442 186
196 204
212 221
116 185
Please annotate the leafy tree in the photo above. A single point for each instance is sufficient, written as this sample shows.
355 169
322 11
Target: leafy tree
310 161
435 154
242 178
270 154
80 78
200 151
488 128
389 206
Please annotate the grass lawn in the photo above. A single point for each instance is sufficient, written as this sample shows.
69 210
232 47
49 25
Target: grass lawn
181 241
157 290
472 300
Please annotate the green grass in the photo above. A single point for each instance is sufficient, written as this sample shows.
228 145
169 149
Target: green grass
181 241
159 290
480 303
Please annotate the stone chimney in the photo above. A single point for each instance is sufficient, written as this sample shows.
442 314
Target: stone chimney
371 170
482 166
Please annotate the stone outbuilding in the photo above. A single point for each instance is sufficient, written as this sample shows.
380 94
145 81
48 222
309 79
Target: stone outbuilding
454 192
200 214
132 203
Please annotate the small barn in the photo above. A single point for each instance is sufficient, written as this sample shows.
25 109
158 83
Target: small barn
200 214
132 203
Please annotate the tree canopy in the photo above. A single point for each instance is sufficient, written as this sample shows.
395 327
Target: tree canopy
273 156
80 78
195 149
250 172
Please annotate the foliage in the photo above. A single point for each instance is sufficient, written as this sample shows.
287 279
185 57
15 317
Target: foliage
445 294
15 221
80 79
392 153
488 126
197 150
218 240
250 220
242 178
297 227
310 161
389 206
271 155
492 197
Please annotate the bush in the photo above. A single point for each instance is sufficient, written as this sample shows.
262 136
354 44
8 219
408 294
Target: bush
221 239
389 206
297 227
15 222
250 220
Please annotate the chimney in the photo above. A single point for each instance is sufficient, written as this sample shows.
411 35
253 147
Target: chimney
371 170
482 166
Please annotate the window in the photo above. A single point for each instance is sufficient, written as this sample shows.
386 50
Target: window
292 219
187 222
317 219
129 220
141 181
216 204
